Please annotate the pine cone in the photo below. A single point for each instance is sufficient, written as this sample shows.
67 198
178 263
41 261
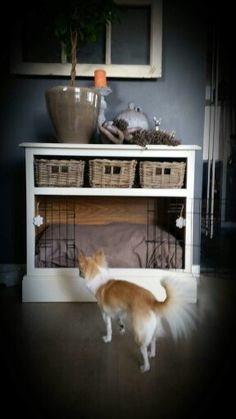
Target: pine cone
144 137
121 124
162 137
139 137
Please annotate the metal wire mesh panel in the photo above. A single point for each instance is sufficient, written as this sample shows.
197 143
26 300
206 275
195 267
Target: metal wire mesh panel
134 232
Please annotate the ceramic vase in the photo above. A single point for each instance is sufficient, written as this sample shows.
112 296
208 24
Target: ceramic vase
73 112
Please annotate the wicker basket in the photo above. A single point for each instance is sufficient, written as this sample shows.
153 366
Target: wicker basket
162 174
105 173
69 173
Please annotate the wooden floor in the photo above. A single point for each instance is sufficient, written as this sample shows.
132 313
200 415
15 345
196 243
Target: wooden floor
55 365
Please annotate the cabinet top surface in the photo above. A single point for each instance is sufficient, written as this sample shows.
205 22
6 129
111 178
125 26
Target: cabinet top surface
115 147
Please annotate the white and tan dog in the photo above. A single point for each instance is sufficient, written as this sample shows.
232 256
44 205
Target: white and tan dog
119 298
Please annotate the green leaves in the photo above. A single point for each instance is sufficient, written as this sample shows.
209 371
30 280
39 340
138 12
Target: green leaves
86 18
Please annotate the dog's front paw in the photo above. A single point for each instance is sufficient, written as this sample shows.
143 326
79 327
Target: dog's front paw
106 339
144 368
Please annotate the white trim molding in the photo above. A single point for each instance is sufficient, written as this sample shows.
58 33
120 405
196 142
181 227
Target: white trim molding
152 70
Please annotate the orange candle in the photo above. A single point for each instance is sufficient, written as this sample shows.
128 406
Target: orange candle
100 78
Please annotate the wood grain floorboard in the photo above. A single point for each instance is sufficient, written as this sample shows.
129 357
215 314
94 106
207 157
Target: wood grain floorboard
55 365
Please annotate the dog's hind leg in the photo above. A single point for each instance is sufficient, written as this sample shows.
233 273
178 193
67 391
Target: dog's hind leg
107 319
144 329
159 332
152 351
146 365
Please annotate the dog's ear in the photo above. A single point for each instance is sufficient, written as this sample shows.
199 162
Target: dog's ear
99 252
100 256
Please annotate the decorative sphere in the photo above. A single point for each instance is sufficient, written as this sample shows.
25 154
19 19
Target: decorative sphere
135 117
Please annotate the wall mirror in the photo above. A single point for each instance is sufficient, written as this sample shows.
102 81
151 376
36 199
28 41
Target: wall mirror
129 48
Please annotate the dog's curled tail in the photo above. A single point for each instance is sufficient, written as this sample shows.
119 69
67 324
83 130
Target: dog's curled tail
176 309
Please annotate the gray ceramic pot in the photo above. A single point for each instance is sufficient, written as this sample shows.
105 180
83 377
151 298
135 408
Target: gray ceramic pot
73 112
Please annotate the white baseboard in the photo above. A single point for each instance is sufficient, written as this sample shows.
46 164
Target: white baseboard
11 274
196 270
68 286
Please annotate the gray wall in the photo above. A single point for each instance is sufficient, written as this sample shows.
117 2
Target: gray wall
178 98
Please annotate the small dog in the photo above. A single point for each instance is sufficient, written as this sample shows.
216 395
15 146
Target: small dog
119 298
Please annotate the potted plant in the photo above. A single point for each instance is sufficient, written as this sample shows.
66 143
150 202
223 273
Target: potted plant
74 110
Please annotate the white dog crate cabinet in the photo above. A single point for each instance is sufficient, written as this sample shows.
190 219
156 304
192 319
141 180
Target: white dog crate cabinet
134 202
